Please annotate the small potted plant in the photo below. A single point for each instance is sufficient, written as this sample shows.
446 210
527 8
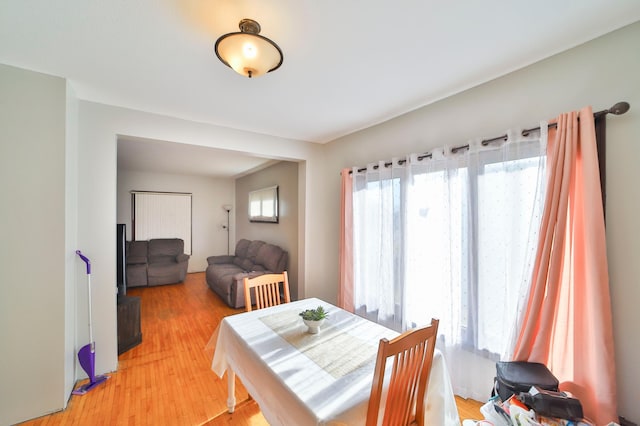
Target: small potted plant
314 318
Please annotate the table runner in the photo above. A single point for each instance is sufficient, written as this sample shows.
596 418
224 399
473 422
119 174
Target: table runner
335 351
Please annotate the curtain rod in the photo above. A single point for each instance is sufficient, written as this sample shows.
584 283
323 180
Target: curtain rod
618 109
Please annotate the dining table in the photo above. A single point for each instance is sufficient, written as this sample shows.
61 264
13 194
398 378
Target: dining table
300 379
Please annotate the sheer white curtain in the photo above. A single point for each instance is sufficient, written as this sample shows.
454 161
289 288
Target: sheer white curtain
378 236
452 237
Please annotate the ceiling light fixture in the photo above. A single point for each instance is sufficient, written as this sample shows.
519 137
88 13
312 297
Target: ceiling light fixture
247 52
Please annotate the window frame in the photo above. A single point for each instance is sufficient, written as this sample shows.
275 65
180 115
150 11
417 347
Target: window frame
268 202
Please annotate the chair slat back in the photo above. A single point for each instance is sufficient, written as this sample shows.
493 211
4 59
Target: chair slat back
266 290
412 356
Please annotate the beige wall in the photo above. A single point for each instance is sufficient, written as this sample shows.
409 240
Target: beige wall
36 351
285 232
208 237
599 73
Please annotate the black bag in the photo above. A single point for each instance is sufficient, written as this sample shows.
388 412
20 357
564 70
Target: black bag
552 404
518 376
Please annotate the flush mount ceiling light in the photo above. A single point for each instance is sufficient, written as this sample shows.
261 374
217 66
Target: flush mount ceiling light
247 52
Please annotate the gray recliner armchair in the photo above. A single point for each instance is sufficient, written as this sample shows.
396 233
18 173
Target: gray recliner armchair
156 262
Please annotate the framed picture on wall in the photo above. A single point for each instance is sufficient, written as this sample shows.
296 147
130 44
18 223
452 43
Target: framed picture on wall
263 205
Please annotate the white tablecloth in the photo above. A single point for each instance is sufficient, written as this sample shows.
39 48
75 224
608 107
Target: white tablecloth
300 379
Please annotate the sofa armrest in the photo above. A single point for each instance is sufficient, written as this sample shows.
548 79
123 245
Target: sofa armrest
236 292
182 257
213 260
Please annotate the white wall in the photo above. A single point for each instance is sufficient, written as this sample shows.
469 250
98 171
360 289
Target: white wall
285 232
35 352
208 238
74 278
599 73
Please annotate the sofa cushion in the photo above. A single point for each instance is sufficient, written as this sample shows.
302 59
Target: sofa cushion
245 264
252 251
136 260
137 275
137 249
162 260
164 273
220 277
242 247
270 257
166 247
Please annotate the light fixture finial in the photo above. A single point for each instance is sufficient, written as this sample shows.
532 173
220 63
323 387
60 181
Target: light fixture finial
250 26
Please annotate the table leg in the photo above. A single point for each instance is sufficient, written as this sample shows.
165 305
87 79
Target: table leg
231 390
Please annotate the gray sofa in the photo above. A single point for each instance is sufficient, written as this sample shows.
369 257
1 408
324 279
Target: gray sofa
225 274
156 262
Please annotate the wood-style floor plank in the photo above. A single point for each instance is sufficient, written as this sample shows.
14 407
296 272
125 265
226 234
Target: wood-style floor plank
167 379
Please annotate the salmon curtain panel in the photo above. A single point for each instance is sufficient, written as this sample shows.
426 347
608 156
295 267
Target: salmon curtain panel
567 323
345 288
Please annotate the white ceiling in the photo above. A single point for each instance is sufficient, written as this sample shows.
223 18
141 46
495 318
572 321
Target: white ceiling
348 64
148 155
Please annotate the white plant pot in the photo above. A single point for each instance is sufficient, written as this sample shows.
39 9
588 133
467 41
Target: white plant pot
313 326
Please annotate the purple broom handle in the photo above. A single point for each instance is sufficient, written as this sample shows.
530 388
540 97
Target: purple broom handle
86 260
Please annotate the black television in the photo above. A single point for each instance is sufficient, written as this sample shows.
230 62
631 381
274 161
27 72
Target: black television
121 248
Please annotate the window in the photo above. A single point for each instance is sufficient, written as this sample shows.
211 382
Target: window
452 237
162 215
263 205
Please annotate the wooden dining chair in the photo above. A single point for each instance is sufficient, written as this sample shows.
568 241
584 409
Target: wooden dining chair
266 290
412 354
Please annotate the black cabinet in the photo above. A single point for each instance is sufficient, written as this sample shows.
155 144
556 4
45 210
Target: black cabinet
129 334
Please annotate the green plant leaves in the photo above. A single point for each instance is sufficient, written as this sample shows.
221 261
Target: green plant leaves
314 314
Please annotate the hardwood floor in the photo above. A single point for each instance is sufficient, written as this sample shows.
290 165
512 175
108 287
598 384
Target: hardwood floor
167 379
